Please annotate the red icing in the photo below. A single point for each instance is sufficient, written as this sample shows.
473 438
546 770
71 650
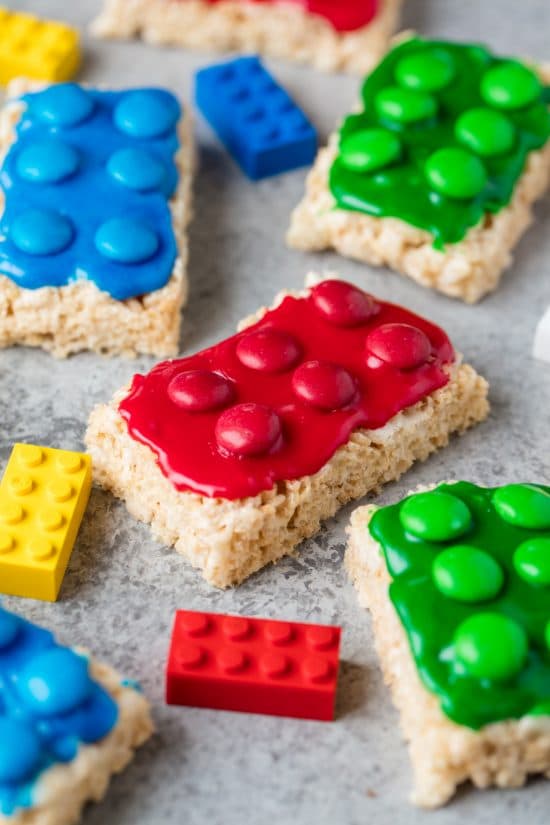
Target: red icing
276 425
344 15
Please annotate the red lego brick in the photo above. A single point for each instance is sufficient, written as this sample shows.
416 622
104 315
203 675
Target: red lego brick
253 665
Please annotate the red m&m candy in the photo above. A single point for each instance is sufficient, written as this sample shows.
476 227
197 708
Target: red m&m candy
399 345
342 304
200 390
324 385
268 350
248 429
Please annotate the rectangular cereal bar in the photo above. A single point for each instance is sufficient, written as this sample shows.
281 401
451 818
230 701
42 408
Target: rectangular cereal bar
95 193
338 35
437 173
67 724
236 454
456 580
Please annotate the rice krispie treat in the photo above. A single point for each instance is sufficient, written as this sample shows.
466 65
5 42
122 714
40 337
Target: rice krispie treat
95 189
236 454
332 35
67 724
457 581
437 173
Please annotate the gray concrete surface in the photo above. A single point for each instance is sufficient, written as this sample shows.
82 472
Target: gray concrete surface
122 588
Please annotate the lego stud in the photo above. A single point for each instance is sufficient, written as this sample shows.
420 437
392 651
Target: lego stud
50 519
7 543
249 430
69 462
429 70
236 628
510 85
369 150
279 633
321 638
231 660
21 485
398 345
317 669
485 132
40 548
126 241
63 104
268 350
342 304
523 505
54 682
455 173
200 391
274 664
190 656
324 385
60 491
195 624
137 169
404 106
47 161
41 232
30 456
11 513
146 114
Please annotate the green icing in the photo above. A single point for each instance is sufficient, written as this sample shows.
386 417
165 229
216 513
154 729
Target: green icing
464 122
470 570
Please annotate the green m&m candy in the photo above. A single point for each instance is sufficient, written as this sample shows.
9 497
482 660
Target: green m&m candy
532 561
455 173
435 516
485 132
404 105
427 71
490 646
467 574
510 85
369 149
523 505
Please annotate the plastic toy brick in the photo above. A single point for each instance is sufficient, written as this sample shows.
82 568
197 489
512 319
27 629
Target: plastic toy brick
253 665
39 49
258 122
43 495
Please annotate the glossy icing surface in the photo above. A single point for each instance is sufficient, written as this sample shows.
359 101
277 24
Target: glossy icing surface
343 15
471 575
275 401
86 184
49 706
443 137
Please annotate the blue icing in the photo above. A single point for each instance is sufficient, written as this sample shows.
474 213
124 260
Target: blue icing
49 705
86 187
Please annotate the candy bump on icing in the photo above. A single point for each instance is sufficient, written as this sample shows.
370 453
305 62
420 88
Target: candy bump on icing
87 200
317 400
486 658
248 429
200 390
40 232
400 345
342 304
126 240
268 350
324 385
466 122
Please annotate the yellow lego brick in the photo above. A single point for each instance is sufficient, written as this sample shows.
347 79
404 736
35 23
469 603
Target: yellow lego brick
43 495
39 49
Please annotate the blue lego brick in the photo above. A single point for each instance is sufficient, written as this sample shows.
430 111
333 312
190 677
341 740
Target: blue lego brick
258 122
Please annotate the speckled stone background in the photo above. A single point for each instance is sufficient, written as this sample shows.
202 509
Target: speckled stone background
121 588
